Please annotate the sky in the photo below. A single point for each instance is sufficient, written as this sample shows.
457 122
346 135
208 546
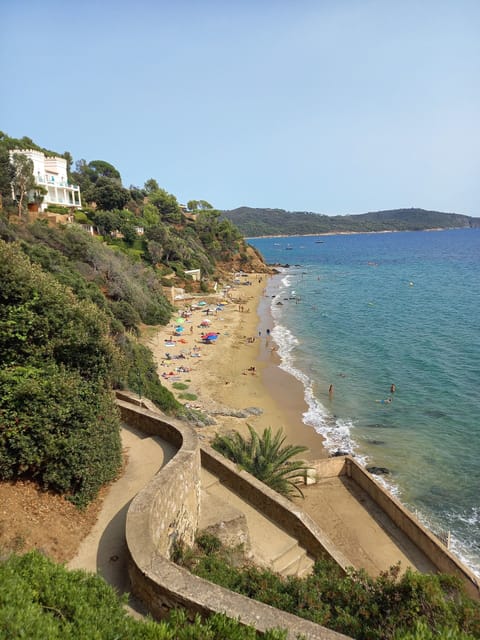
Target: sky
331 106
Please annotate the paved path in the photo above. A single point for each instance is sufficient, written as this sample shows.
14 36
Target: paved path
362 531
104 550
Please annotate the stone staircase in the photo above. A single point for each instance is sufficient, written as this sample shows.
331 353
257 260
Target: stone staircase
236 521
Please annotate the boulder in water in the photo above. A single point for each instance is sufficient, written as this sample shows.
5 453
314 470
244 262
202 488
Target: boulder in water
378 471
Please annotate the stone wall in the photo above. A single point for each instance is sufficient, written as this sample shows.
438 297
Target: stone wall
167 510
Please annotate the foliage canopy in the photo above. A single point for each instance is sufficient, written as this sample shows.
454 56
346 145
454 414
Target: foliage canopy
42 600
265 457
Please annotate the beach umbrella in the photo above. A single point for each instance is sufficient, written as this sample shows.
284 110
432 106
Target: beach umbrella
179 320
205 323
178 329
210 336
202 303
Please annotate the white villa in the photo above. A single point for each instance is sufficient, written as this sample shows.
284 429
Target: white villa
51 173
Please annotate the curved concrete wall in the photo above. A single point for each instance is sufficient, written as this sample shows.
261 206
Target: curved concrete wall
168 508
166 511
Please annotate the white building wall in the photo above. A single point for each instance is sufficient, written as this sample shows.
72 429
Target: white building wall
51 172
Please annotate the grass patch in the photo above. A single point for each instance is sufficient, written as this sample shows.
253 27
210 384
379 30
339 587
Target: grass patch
187 396
181 386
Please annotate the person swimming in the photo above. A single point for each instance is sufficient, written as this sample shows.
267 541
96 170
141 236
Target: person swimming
384 401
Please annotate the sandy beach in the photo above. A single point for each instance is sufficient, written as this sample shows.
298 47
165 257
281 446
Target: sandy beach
238 371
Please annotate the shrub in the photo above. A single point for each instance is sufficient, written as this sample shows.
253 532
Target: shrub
188 396
81 217
40 599
128 316
58 429
390 607
142 378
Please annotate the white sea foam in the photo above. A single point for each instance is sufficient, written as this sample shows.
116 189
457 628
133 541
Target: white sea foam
287 280
336 433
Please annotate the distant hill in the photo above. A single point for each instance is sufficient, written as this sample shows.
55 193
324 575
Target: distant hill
254 222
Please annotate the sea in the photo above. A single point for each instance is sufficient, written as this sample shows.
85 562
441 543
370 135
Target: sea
363 312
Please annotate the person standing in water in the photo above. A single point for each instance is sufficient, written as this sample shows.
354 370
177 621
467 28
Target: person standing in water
393 388
330 391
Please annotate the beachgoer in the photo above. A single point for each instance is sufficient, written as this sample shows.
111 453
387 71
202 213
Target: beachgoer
393 388
330 391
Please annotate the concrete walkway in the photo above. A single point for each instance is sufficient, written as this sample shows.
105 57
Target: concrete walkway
358 528
104 551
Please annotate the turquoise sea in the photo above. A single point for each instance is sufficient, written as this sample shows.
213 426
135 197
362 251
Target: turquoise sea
363 312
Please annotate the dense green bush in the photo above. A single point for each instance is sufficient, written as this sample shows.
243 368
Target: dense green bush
59 429
60 425
58 208
118 276
42 600
383 608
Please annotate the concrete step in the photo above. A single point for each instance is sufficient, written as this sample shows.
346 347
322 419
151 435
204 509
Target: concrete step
267 541
292 561
300 567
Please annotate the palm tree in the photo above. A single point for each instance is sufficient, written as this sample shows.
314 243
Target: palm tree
266 458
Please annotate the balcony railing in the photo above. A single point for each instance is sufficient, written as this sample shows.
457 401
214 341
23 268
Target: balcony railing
61 183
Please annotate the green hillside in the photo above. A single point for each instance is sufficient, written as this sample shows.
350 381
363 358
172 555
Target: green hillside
255 222
77 288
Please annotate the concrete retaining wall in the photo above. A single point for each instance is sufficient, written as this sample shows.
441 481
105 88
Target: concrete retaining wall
429 544
166 511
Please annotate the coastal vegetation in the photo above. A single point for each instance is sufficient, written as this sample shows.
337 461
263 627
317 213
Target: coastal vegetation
77 289
40 599
256 222
389 607
266 457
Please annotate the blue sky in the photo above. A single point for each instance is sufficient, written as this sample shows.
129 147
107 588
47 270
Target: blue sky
336 107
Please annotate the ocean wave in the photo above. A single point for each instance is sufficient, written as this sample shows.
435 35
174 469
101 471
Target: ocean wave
335 433
287 281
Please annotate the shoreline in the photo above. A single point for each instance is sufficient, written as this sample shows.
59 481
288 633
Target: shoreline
238 371
351 233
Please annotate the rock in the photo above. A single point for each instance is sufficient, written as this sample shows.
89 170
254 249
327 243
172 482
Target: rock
339 452
254 411
231 413
378 471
